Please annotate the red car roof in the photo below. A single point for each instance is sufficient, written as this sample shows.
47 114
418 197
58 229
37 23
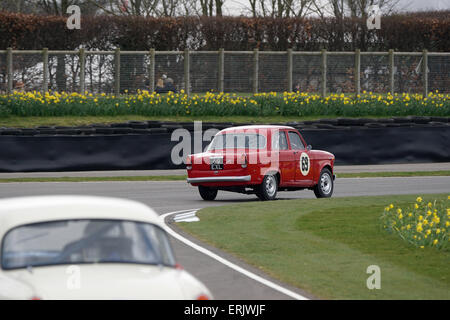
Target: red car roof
256 127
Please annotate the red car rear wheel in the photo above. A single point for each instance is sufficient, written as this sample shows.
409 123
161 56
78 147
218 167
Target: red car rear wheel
268 189
207 193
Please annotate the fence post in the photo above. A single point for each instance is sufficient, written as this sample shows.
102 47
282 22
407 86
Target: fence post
357 71
255 70
45 70
221 70
151 72
324 73
391 71
425 72
82 56
9 70
289 70
117 72
187 73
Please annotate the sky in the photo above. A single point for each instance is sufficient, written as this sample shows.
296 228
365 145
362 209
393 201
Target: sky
234 7
419 5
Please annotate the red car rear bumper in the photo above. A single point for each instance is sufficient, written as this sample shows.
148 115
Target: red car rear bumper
220 179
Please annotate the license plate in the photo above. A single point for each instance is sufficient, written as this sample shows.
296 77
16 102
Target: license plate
216 163
216 166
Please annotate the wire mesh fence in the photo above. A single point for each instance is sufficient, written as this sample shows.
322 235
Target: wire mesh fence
169 67
439 73
238 72
63 73
204 72
99 73
116 72
408 74
27 71
272 75
306 72
341 73
375 73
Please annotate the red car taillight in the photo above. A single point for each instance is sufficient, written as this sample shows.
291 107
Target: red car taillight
203 297
188 163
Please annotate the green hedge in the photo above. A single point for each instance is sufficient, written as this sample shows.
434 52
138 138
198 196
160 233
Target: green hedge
401 32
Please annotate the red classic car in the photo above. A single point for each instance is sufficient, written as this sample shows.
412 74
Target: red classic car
261 160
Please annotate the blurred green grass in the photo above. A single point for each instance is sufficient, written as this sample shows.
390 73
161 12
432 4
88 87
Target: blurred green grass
325 246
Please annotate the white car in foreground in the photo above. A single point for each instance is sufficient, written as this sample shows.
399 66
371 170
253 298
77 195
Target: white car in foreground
78 247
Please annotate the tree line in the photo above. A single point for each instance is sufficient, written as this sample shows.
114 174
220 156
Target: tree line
172 8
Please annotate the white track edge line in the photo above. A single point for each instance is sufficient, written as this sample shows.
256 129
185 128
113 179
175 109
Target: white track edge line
229 264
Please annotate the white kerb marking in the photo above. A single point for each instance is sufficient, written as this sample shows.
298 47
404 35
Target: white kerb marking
229 264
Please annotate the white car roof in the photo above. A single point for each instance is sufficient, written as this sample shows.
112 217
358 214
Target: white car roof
25 210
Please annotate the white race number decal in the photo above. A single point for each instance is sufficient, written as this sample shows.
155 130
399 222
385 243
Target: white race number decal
304 164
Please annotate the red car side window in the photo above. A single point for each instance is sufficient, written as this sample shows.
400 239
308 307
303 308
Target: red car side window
296 142
279 141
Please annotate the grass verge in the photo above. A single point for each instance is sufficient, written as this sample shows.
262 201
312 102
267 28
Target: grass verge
183 177
325 246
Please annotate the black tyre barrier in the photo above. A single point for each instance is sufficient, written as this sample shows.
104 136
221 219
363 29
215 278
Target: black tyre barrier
122 130
421 120
104 130
151 148
437 124
440 119
147 144
68 131
306 127
29 132
189 126
120 125
11 132
162 127
138 124
349 122
99 125
85 130
375 125
384 145
328 121
154 124
325 126
171 127
46 130
384 121
157 130
401 120
141 131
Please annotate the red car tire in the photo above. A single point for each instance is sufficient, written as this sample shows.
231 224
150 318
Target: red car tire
268 189
207 193
324 188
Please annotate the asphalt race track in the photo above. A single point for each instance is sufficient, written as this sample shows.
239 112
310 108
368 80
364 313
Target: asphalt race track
164 197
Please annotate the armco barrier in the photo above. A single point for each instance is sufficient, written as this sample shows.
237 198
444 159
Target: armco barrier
148 145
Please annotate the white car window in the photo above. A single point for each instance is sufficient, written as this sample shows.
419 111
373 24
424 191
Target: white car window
85 241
